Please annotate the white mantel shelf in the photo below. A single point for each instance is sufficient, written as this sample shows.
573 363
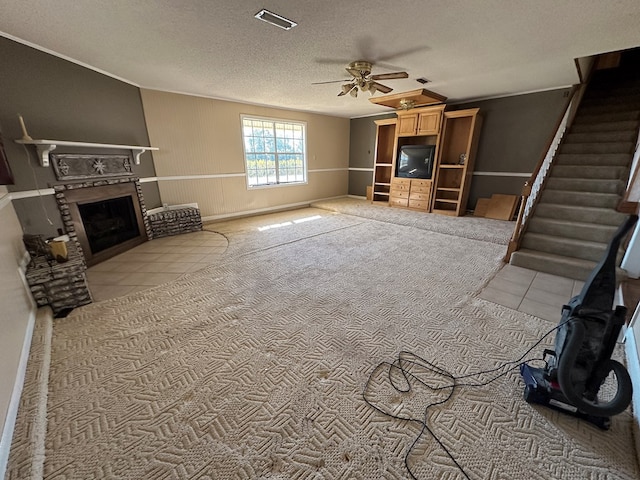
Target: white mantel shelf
44 147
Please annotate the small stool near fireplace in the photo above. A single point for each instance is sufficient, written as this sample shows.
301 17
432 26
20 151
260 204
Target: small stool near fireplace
174 220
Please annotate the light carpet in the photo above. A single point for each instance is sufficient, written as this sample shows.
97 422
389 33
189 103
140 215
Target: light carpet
254 367
477 228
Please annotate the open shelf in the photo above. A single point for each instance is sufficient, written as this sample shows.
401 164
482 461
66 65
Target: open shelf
455 162
383 159
45 147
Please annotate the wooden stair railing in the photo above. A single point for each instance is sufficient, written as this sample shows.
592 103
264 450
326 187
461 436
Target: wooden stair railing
533 187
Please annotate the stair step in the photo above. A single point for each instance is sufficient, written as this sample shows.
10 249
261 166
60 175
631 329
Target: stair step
602 216
585 199
612 97
608 108
578 230
579 171
575 268
586 184
567 247
616 88
602 137
631 125
604 147
606 117
594 159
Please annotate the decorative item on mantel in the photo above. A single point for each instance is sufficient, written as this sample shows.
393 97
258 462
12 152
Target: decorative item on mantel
74 167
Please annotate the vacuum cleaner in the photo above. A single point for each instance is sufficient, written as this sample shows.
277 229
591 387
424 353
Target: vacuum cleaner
578 376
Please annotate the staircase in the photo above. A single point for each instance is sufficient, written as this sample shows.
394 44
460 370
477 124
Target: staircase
576 217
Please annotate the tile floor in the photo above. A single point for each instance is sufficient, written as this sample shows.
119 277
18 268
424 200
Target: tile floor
165 259
528 291
153 263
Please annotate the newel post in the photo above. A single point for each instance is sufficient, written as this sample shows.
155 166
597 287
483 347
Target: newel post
514 243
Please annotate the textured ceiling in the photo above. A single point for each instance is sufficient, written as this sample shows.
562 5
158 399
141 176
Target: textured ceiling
468 48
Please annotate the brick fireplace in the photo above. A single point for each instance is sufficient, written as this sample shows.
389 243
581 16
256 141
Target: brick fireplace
101 203
105 217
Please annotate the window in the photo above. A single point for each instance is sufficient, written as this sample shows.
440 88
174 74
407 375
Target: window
274 151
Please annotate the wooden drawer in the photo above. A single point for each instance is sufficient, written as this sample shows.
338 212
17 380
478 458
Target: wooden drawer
426 189
419 196
421 184
398 202
419 204
401 183
399 193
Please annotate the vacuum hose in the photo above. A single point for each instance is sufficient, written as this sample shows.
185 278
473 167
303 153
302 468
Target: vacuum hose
575 391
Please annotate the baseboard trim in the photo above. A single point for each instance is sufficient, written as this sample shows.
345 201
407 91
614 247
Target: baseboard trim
278 208
14 403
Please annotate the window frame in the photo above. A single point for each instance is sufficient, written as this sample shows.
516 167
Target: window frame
305 169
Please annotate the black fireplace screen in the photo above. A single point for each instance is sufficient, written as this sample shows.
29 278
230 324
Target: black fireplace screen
109 222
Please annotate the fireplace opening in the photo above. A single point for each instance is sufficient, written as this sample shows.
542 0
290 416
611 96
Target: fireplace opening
107 219
109 222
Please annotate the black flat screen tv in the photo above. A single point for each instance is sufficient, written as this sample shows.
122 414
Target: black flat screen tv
415 161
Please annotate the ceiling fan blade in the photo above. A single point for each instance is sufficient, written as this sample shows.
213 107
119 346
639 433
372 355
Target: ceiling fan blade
400 53
382 88
389 76
332 81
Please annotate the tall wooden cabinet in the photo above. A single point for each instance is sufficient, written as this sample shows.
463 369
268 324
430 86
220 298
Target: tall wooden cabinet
456 157
418 126
455 137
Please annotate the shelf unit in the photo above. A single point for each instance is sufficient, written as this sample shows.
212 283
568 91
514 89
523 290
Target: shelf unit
383 159
456 156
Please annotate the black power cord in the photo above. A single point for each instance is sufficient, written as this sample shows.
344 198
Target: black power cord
407 360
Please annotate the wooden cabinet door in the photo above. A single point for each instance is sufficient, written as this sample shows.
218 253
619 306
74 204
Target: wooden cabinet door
407 124
428 123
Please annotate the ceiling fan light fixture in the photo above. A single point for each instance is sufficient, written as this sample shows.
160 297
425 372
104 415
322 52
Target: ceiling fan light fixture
354 92
275 19
346 88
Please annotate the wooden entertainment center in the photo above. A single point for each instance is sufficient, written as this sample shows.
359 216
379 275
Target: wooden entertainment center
454 134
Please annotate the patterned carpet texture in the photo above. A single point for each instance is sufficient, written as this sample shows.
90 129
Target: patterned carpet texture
254 368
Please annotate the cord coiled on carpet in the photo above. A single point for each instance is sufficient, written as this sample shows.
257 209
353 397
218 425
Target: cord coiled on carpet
407 360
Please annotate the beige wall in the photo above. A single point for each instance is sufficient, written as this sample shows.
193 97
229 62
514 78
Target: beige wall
15 302
202 137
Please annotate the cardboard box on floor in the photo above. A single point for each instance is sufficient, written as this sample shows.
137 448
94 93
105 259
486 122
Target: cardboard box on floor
499 207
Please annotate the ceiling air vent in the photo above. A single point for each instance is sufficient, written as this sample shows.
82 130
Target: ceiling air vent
275 19
422 80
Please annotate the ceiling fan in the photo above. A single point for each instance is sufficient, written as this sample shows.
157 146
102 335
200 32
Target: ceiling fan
360 71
